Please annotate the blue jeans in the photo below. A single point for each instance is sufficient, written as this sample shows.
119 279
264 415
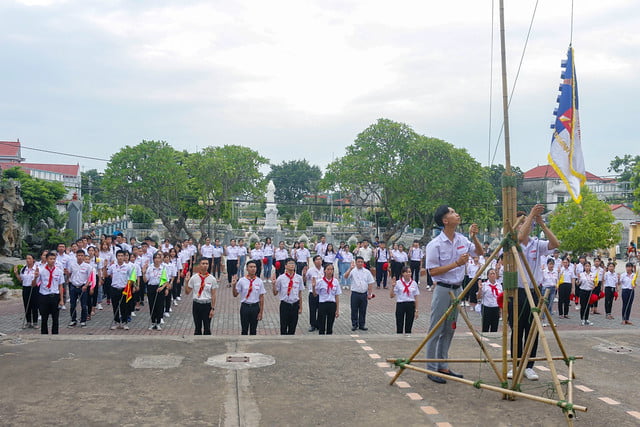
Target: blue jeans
74 293
342 268
552 295
267 267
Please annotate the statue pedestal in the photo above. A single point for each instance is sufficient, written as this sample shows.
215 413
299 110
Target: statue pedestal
271 217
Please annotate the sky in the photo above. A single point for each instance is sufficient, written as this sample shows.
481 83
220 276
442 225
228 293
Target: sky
300 79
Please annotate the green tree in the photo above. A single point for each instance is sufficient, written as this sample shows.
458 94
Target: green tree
626 166
586 226
39 196
406 176
293 180
152 174
220 174
304 220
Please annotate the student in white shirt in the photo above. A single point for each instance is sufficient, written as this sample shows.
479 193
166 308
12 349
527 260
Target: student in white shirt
361 292
242 256
566 281
628 282
405 291
258 255
345 258
233 260
50 280
382 258
289 288
488 293
315 272
281 254
302 258
78 288
549 282
204 287
157 289
586 279
218 251
327 289
268 252
415 260
251 290
206 251
611 280
329 255
29 293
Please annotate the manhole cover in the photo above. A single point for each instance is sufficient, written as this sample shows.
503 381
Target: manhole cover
240 360
616 349
157 361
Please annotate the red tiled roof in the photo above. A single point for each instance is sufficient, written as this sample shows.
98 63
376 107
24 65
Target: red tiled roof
546 171
67 170
9 148
618 206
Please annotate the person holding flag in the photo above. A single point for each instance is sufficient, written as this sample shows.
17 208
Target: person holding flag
121 290
405 291
157 288
251 290
204 287
628 283
289 287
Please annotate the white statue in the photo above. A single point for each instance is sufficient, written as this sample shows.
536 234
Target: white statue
271 191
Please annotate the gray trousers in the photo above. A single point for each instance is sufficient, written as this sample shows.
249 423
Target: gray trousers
438 344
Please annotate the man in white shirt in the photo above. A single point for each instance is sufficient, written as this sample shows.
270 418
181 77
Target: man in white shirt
289 287
80 271
366 252
251 290
361 292
206 251
302 258
314 272
204 287
232 253
321 247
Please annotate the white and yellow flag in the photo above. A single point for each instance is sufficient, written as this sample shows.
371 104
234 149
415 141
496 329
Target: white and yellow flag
565 155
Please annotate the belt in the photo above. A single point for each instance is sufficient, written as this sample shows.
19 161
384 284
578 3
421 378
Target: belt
449 285
202 301
250 304
290 303
354 292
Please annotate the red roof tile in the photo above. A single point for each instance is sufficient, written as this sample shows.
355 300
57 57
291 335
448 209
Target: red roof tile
67 170
546 171
9 148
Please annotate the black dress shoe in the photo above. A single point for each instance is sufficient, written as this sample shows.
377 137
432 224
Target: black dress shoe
362 328
311 329
451 373
353 328
438 380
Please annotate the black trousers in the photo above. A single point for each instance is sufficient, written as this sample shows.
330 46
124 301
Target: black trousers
106 288
415 270
249 318
288 317
167 300
405 313
279 270
584 304
201 318
49 307
258 267
490 318
525 321
300 266
120 306
30 301
326 317
217 267
210 268
359 303
608 298
232 268
156 303
596 291
381 275
314 302
396 268
176 290
564 295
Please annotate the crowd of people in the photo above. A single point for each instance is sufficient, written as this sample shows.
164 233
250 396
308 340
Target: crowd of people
127 274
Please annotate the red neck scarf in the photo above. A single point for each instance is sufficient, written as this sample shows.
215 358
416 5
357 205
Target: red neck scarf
50 275
202 279
290 282
329 284
250 287
494 288
406 286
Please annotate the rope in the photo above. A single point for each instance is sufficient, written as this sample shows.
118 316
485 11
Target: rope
401 362
535 310
566 406
569 359
477 384
504 384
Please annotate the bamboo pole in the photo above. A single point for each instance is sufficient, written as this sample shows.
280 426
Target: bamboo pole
526 351
513 393
478 360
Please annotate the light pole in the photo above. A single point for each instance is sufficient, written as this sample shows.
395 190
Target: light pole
208 203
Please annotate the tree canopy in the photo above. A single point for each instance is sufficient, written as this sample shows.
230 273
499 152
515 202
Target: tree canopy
39 196
293 180
391 168
586 226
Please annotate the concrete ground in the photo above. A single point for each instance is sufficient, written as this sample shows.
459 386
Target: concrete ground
94 376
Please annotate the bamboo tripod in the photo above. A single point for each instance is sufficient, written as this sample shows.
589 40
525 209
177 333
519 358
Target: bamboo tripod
514 263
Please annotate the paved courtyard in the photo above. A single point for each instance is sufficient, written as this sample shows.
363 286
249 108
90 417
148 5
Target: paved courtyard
103 377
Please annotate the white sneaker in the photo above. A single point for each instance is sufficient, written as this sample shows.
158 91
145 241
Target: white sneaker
179 299
63 307
161 322
125 327
531 374
175 302
99 306
510 374
577 307
588 322
83 324
158 328
170 310
72 324
555 299
545 324
113 327
133 314
152 327
167 314
120 326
